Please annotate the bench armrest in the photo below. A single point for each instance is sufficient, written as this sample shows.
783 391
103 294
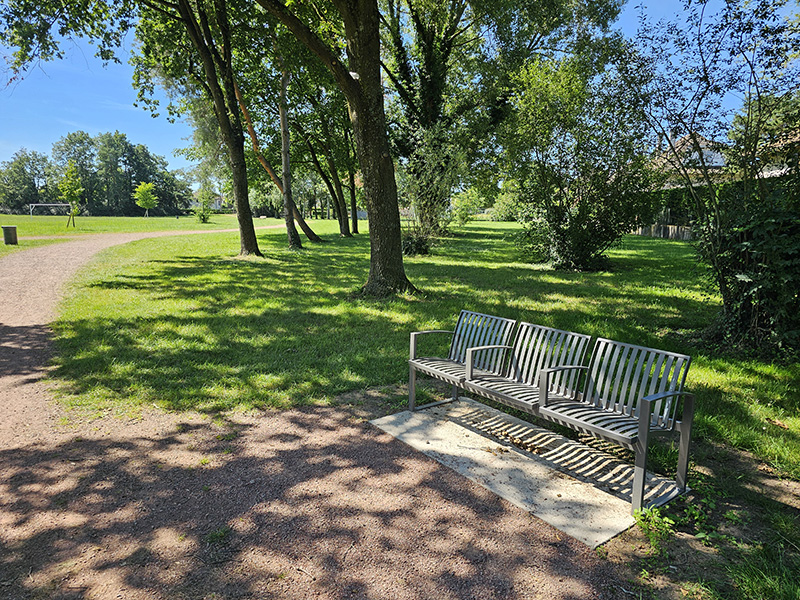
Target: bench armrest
413 345
544 379
647 404
471 356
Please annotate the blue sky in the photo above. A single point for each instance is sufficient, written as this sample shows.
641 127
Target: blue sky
79 93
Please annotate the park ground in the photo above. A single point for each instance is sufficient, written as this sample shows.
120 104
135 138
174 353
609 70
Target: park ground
187 379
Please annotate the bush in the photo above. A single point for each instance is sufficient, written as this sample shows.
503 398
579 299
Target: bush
203 210
506 208
758 267
416 241
580 157
466 205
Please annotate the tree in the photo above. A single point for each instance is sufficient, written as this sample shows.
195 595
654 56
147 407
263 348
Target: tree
581 158
262 89
745 223
450 65
192 40
200 33
78 148
25 179
145 197
179 39
360 81
109 166
71 191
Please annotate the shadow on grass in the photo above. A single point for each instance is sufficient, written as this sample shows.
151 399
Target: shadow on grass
303 503
224 332
217 332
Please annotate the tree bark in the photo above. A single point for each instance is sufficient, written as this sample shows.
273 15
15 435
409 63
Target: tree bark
351 175
341 204
364 93
353 204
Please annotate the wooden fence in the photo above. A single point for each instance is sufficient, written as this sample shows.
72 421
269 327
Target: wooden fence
669 232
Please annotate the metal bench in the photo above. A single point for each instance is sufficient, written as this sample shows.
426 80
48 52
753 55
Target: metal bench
629 393
626 394
535 349
472 329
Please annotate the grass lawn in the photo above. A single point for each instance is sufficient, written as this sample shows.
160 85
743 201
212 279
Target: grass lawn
181 323
48 225
55 227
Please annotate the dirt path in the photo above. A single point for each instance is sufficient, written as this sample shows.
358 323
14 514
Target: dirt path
311 503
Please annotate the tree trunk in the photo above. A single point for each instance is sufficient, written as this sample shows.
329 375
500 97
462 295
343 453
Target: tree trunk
219 77
351 175
341 205
386 273
353 205
364 92
304 226
288 203
241 200
310 234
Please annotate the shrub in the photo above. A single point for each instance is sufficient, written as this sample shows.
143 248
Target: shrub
506 207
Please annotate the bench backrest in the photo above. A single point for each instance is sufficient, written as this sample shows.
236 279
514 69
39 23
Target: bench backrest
537 347
620 374
475 329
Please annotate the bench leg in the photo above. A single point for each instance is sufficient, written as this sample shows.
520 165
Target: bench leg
455 392
683 448
412 388
640 468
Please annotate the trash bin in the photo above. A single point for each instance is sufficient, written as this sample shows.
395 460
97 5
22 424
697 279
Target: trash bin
10 235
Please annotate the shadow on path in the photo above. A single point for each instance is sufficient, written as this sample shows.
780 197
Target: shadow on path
298 504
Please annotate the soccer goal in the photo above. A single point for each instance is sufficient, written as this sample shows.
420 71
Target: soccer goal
55 205
50 206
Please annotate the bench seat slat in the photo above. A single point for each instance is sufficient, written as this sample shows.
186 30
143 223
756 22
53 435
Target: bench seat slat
517 395
440 368
596 421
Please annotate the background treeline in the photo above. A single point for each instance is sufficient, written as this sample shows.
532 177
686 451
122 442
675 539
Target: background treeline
110 167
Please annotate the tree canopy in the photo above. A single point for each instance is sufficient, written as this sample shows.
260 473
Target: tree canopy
108 166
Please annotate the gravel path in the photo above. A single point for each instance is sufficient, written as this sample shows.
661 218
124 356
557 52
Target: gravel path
308 503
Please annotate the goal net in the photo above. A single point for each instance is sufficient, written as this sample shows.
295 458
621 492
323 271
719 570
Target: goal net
50 209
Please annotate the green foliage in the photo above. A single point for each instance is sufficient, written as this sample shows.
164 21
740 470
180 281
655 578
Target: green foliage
220 535
507 207
416 241
757 250
466 205
205 197
656 526
580 158
109 163
145 196
449 65
745 219
71 188
431 176
26 179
